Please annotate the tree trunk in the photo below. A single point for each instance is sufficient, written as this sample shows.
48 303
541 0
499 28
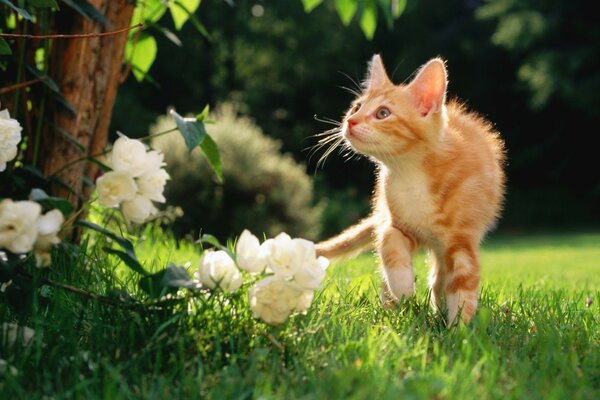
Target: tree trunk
88 73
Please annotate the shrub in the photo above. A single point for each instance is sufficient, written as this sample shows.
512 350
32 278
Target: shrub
263 189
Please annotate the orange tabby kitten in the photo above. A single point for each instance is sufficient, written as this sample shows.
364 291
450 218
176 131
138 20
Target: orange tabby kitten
440 185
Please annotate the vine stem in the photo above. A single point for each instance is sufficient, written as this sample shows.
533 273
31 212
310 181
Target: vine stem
16 86
74 36
103 299
93 156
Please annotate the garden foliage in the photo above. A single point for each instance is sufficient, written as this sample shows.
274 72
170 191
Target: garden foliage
262 189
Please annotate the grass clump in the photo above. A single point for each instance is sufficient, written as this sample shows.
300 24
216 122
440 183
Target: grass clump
536 335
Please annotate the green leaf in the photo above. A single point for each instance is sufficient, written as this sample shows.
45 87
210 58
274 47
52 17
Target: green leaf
168 280
148 11
46 79
68 136
141 54
211 151
55 94
398 7
86 10
50 203
168 34
368 19
182 10
213 241
192 130
346 10
310 5
128 256
21 11
103 167
129 260
4 48
204 114
44 4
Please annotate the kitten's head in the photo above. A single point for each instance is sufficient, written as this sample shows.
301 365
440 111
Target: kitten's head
389 120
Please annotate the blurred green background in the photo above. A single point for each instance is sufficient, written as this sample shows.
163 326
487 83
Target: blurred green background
532 67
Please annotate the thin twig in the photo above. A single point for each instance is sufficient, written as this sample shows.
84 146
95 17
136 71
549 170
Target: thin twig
275 342
16 86
74 36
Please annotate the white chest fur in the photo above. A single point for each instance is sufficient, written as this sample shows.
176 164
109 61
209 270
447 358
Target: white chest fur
409 199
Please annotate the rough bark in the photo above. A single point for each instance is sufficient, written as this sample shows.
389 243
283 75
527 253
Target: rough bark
88 73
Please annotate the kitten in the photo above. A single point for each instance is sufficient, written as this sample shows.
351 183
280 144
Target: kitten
440 185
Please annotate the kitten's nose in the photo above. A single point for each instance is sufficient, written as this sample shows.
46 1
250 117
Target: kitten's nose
351 122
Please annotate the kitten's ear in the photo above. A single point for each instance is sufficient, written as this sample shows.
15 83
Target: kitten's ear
428 88
376 76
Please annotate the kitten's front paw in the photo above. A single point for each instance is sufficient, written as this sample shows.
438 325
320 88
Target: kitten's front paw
401 282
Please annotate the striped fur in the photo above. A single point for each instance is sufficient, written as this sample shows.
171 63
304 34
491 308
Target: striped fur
440 185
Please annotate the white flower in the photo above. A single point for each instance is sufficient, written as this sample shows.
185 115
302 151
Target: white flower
310 274
154 161
115 187
18 225
217 268
280 254
129 155
13 332
305 301
138 209
10 136
296 258
152 184
48 227
250 255
273 299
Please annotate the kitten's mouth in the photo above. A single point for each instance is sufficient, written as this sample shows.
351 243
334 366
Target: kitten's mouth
351 135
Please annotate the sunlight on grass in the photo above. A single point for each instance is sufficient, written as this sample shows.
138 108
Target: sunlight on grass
534 336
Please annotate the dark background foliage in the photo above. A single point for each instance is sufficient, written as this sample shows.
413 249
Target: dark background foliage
530 66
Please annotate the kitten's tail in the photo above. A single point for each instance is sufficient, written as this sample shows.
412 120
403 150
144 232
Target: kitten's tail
350 242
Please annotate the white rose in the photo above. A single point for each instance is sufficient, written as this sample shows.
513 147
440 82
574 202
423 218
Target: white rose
280 252
250 255
311 273
115 187
217 268
152 184
48 227
154 161
273 299
10 136
305 301
129 155
18 227
138 209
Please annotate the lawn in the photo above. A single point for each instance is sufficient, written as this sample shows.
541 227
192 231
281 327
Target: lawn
536 335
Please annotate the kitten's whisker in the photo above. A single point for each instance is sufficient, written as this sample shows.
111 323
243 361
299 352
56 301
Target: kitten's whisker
358 86
329 150
327 120
355 92
328 132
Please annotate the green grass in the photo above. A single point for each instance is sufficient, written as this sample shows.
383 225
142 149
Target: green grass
534 336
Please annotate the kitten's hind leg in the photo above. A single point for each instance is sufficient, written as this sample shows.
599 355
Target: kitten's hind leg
395 252
462 280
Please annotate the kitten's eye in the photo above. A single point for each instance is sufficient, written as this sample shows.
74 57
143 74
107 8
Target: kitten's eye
382 113
355 108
